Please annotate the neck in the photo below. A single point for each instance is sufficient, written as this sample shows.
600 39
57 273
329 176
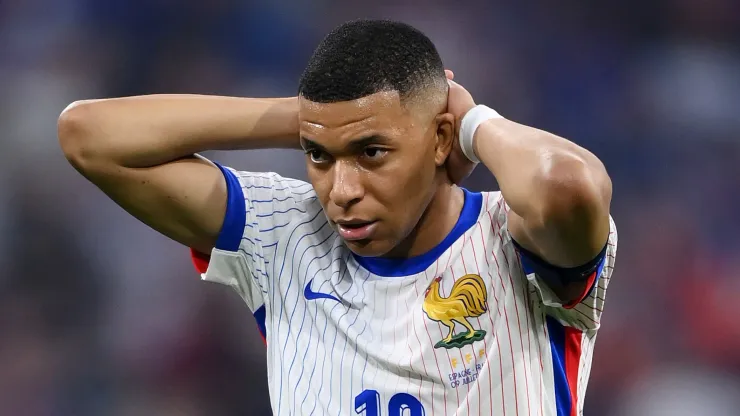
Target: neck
435 223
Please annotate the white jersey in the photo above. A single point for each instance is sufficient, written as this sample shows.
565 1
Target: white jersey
460 330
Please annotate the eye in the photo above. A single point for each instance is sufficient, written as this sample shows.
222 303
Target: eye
317 156
374 153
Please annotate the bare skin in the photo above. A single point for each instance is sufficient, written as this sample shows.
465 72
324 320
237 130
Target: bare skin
559 193
378 160
373 159
139 151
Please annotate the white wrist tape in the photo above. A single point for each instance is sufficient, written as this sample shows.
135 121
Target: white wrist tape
469 125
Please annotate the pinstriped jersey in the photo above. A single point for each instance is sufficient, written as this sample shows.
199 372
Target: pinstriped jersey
467 328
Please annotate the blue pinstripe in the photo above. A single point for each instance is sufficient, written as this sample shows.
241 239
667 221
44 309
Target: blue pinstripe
254 254
275 227
318 343
380 341
344 349
290 282
295 305
281 212
323 335
352 366
271 227
292 192
394 320
310 333
334 341
254 266
284 255
262 201
265 187
364 367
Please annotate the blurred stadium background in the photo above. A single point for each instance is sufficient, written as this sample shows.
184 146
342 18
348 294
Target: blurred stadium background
101 316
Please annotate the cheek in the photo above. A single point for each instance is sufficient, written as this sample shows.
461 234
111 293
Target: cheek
405 188
419 172
321 184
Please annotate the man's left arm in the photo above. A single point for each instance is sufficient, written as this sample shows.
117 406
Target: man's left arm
559 196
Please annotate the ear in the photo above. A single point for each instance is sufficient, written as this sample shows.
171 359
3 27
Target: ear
445 136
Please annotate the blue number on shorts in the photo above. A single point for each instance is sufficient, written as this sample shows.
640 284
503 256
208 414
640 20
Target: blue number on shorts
401 404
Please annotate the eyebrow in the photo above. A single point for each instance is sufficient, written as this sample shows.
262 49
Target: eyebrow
353 145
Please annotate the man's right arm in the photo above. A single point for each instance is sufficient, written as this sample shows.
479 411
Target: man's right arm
141 151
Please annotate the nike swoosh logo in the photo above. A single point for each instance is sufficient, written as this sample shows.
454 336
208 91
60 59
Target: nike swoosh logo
311 295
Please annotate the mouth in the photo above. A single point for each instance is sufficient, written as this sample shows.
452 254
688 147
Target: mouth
355 230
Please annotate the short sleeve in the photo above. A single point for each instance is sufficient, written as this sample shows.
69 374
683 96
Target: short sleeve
585 312
259 211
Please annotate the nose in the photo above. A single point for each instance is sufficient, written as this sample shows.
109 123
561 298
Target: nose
347 188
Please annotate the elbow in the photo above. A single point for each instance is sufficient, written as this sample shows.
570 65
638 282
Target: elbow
575 191
74 131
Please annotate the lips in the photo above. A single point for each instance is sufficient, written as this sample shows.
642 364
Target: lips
354 230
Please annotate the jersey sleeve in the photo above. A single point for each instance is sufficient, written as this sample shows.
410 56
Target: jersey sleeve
259 211
585 311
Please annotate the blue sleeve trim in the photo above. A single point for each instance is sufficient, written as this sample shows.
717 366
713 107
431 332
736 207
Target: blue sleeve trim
531 263
230 236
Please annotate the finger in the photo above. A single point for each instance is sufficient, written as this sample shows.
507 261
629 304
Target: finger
449 74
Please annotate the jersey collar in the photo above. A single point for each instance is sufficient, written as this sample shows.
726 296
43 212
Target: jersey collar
396 267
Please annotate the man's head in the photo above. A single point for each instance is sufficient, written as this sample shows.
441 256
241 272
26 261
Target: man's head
374 125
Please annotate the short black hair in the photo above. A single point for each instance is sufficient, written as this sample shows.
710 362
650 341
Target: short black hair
363 57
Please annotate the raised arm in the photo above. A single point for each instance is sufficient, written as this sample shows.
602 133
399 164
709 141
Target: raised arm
141 151
558 193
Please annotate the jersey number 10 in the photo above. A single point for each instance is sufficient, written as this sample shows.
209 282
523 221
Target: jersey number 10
401 404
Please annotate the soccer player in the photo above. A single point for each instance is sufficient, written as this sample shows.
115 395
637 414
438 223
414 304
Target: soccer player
381 287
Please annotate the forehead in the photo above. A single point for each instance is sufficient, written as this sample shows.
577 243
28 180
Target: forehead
379 113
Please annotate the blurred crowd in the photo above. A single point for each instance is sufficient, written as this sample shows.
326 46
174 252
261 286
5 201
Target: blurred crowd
99 315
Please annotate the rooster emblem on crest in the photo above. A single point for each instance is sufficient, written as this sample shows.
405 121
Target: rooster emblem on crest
467 299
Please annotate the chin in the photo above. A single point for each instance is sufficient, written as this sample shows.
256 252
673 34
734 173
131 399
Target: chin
369 248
